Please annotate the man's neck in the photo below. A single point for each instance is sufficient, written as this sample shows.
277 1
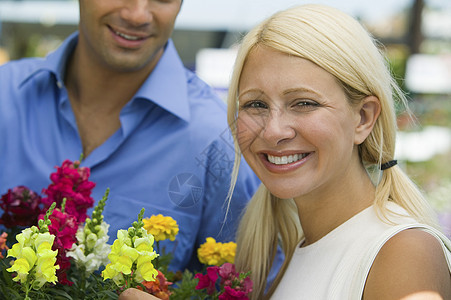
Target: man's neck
97 95
92 85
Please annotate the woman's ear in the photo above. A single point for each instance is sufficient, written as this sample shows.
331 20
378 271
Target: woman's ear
368 110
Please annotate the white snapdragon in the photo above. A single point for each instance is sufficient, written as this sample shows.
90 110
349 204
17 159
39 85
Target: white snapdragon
91 250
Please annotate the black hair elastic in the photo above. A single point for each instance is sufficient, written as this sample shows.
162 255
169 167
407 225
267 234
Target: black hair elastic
389 164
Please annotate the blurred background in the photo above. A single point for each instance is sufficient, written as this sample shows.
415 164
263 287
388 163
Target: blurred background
415 34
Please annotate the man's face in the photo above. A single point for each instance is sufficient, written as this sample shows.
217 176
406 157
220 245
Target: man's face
126 35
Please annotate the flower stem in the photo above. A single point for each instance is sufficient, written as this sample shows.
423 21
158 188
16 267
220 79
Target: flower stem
27 290
128 281
83 279
157 259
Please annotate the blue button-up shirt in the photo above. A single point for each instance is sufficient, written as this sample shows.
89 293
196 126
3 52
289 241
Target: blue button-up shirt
173 154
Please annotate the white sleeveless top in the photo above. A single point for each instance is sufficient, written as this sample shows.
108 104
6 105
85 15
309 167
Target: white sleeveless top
336 266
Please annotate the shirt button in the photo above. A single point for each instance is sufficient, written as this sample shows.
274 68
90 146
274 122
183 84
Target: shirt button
59 84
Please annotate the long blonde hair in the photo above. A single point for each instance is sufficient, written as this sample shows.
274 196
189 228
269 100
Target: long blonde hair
340 45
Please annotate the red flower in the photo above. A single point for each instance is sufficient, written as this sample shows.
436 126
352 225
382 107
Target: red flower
208 280
20 207
70 181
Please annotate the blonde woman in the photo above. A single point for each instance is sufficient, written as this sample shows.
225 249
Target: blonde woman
311 106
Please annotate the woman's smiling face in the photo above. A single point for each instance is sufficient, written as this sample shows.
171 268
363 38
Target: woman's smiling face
295 126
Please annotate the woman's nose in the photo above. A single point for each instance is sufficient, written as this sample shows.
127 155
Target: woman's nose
277 128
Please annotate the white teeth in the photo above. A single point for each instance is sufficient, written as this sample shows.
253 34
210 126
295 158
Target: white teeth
127 37
283 160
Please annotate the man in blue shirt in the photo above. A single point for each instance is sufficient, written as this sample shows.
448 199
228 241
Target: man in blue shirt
149 129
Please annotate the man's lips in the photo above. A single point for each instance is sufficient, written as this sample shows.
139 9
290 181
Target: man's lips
130 36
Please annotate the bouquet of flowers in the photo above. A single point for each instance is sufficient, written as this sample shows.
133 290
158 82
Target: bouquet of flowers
51 249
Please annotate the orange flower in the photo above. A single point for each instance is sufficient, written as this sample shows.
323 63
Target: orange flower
3 246
159 287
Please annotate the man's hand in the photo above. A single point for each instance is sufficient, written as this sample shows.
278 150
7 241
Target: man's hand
135 294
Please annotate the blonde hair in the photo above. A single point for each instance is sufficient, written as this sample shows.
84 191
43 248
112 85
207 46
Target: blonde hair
340 45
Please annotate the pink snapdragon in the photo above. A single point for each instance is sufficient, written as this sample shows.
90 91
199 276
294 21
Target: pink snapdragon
233 285
208 281
64 227
71 181
232 294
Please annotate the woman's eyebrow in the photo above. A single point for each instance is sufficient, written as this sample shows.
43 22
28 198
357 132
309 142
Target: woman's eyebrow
256 92
300 89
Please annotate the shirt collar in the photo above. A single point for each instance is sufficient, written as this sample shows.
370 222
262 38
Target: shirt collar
55 61
166 86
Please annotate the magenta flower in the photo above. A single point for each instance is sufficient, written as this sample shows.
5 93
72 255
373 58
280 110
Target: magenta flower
232 285
208 280
20 207
64 263
64 226
232 294
246 285
227 272
71 186
71 181
236 286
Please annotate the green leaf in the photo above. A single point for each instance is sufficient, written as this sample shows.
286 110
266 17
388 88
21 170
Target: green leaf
59 294
186 288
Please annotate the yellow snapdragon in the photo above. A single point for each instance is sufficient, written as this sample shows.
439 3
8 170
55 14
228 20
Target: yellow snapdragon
35 260
131 256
